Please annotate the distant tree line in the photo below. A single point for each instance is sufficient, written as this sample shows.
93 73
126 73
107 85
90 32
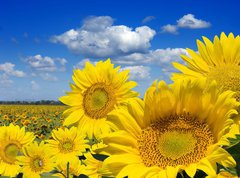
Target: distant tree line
41 102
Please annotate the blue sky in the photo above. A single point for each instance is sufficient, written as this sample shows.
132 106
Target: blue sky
42 41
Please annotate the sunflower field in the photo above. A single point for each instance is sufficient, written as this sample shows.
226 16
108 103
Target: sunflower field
189 128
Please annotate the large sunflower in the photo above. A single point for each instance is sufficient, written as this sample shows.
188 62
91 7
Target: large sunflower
36 160
218 61
97 91
12 139
181 127
67 144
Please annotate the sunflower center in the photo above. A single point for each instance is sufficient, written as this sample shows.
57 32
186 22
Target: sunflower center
176 144
228 77
37 164
175 140
98 100
10 152
66 146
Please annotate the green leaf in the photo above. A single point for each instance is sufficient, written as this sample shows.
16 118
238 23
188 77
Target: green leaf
48 175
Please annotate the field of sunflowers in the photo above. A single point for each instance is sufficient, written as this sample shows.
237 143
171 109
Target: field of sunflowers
189 128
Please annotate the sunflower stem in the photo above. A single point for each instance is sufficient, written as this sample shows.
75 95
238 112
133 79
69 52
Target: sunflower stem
67 170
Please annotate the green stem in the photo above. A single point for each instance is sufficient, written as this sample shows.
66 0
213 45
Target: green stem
67 170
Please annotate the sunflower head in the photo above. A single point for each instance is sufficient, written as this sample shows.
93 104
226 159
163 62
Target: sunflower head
180 127
75 168
218 60
12 139
67 144
36 159
96 92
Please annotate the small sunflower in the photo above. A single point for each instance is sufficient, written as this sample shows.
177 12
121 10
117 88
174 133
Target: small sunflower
218 60
67 144
12 139
177 127
37 159
75 168
97 91
93 166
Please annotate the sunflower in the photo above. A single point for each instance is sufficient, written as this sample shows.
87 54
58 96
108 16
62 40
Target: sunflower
37 159
97 91
92 166
177 127
67 144
12 139
75 168
218 61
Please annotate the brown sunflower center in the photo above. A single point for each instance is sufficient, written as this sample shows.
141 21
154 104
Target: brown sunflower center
37 164
175 140
98 100
10 152
228 77
66 146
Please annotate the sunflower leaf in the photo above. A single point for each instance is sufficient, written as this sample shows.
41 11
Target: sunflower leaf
233 149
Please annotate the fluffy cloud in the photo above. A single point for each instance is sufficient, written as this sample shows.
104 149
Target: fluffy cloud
8 69
158 56
99 38
138 72
5 81
148 19
187 21
46 63
81 64
169 29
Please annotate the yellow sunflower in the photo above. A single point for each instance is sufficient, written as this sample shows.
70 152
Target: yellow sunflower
97 91
92 166
37 159
12 139
67 144
218 60
177 127
75 168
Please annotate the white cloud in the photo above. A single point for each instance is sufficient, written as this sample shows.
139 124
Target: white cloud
8 69
138 72
169 29
158 56
189 21
99 38
81 64
168 55
148 19
5 81
34 85
46 63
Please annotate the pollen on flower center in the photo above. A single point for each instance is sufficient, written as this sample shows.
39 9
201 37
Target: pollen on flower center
228 77
37 164
98 100
11 150
175 140
176 144
66 146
